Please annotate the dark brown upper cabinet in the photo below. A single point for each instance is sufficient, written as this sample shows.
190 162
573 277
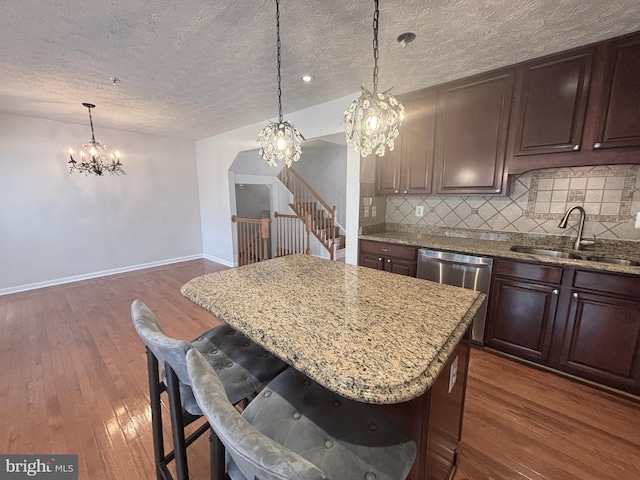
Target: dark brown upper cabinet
618 122
602 128
575 108
409 168
471 134
551 103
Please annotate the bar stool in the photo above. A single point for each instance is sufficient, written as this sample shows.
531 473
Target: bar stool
296 429
242 366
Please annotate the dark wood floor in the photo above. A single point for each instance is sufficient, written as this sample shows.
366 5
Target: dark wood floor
74 381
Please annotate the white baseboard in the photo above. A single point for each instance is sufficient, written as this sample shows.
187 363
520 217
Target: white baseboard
103 273
220 261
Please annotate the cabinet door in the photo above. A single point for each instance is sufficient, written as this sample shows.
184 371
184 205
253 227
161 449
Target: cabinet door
409 168
471 134
371 261
388 170
618 123
521 317
402 267
419 129
602 340
552 100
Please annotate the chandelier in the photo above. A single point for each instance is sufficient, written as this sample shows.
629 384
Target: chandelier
280 140
94 158
372 121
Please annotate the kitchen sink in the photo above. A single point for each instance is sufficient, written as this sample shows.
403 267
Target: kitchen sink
548 252
616 261
544 252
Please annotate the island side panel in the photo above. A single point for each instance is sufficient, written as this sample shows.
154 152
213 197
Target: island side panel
434 420
446 413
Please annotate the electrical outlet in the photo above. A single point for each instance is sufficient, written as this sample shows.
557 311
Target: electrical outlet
419 211
638 220
453 374
373 211
366 211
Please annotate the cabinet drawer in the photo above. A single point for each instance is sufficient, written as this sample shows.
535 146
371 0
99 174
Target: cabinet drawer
608 282
528 271
389 250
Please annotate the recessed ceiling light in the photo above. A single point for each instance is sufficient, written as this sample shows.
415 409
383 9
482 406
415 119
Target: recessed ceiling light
306 78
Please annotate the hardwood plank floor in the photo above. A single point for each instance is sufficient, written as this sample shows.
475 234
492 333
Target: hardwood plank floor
74 381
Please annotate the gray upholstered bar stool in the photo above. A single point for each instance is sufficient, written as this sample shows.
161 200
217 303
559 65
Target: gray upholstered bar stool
242 366
296 429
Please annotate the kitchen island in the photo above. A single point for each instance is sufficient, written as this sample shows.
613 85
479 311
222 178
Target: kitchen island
371 336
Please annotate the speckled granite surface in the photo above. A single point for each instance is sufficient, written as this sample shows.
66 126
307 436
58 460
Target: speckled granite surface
500 246
368 335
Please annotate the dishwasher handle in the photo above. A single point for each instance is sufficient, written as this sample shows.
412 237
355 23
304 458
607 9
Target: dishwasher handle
456 262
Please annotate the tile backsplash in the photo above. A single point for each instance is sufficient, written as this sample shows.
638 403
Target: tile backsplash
536 202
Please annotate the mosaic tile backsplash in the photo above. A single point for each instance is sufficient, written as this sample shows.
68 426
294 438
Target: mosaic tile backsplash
537 201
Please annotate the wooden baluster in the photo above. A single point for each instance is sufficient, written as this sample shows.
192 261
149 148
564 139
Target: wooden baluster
264 234
307 223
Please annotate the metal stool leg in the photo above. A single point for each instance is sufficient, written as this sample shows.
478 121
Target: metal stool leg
177 423
155 389
216 460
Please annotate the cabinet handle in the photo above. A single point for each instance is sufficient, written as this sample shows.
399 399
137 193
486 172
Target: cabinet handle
555 291
388 260
597 145
576 148
575 295
405 191
395 191
386 249
379 259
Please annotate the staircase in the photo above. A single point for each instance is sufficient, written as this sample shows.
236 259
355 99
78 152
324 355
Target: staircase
323 217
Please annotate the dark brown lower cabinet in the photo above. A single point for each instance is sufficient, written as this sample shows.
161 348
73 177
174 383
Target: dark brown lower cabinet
582 322
390 257
522 318
601 341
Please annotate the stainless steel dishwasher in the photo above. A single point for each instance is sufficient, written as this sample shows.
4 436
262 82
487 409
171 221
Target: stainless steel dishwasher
467 271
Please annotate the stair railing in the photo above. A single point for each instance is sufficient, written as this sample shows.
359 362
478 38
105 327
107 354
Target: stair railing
253 239
292 233
306 200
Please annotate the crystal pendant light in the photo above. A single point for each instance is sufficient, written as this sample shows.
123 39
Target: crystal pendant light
280 140
94 158
372 121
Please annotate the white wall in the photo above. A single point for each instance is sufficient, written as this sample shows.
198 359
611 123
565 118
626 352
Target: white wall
325 170
216 154
56 227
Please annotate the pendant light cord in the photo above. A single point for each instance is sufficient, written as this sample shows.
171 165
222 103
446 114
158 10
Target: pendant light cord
93 137
376 15
279 63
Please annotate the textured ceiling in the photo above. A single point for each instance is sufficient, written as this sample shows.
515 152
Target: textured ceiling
195 68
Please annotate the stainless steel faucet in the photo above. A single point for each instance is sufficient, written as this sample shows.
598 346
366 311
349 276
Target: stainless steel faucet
577 245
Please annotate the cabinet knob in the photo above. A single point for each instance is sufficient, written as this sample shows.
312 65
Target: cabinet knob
555 291
575 295
597 145
388 260
379 259
576 148
395 191
405 191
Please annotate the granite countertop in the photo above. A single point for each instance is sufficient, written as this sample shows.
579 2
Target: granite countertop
501 248
368 335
